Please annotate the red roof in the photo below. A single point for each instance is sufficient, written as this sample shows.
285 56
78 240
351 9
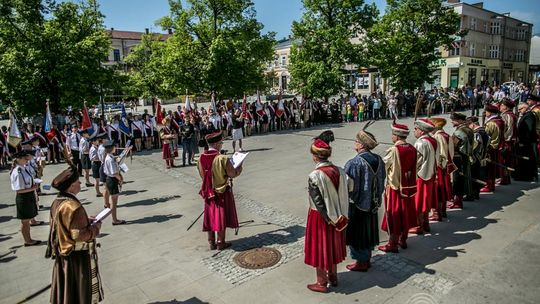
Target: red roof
133 35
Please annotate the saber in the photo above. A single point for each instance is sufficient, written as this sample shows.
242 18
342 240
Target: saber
481 182
499 165
195 221
35 294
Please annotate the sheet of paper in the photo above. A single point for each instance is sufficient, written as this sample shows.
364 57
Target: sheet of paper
102 215
124 168
238 158
38 181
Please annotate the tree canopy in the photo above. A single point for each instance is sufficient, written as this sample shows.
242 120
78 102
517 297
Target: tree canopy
216 45
406 41
51 51
323 44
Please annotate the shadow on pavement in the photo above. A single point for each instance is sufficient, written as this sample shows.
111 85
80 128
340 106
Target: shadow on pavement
2 206
6 218
275 237
132 192
151 201
193 300
431 248
155 219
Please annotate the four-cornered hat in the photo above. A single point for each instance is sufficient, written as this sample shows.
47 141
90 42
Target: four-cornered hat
438 122
400 130
424 124
456 116
108 144
65 179
491 108
214 137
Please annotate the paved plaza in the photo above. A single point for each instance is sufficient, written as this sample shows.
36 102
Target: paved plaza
486 253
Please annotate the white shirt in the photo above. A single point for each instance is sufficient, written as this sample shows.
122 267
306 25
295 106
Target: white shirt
138 125
110 167
216 121
21 179
101 153
84 145
72 141
93 154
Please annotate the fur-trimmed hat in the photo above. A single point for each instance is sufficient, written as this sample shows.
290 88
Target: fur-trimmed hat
438 122
472 119
367 139
456 116
65 179
400 130
491 108
214 137
321 148
509 103
424 124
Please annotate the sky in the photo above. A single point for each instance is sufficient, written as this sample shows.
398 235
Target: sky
275 15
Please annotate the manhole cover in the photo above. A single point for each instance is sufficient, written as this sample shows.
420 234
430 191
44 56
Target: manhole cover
258 258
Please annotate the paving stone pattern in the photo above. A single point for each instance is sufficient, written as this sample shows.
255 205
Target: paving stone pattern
288 239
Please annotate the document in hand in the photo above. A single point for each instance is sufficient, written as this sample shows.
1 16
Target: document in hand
238 158
102 215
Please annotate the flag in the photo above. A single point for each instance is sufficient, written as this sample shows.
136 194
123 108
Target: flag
159 114
86 122
47 125
258 105
280 108
14 135
187 105
244 104
213 102
123 124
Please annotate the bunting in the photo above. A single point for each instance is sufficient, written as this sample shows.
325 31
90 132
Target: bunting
159 114
187 105
86 122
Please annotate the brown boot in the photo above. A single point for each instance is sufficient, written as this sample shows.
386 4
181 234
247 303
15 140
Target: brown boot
212 240
358 266
320 285
332 276
221 244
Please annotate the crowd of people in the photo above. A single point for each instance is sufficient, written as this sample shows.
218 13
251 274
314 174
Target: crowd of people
416 182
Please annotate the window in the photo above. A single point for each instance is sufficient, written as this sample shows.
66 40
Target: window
485 26
454 51
363 81
495 28
520 55
283 60
493 51
473 24
472 50
116 55
521 34
284 82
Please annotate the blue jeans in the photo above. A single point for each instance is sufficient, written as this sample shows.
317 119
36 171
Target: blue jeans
186 148
359 255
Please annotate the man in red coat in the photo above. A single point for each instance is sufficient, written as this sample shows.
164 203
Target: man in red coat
445 167
426 171
400 189
509 138
217 172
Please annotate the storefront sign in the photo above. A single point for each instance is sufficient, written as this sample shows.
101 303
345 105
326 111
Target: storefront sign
476 62
439 63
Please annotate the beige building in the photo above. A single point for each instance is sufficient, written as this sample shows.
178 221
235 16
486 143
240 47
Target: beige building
278 69
122 42
495 50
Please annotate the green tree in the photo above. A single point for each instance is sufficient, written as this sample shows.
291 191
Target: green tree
147 70
217 45
51 51
323 44
406 41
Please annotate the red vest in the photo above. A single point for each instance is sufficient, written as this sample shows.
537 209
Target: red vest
407 159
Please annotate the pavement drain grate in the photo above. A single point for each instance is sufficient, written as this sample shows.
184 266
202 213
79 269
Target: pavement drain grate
258 258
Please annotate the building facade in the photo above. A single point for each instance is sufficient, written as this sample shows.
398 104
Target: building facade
277 70
122 42
495 50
